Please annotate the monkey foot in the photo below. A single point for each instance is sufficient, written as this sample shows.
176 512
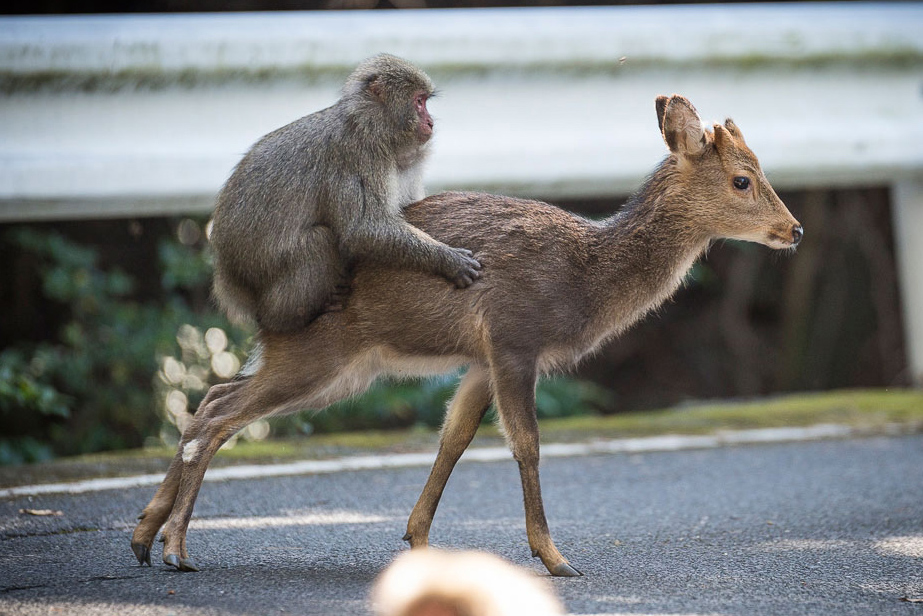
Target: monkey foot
564 570
182 564
142 553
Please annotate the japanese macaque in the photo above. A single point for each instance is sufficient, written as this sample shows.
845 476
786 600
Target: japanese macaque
313 198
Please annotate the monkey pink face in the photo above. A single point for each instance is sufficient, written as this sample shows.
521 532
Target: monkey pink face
425 121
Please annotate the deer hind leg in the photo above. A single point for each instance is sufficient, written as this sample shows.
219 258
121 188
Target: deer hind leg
514 388
157 511
466 409
210 429
293 381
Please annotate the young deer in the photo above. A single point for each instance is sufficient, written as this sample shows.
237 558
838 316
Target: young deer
555 286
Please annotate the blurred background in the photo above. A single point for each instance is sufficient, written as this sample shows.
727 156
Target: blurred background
117 130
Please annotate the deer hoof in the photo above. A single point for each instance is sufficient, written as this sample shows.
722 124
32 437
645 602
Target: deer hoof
142 553
414 540
182 564
564 570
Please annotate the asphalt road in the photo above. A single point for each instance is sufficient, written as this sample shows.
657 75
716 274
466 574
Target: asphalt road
808 528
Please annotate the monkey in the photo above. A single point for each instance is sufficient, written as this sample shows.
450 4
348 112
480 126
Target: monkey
311 199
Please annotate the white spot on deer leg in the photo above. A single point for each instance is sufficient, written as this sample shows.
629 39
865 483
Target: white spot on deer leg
190 450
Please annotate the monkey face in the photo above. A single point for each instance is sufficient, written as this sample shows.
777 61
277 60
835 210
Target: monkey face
424 119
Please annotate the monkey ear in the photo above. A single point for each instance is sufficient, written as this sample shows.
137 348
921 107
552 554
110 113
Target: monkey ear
681 126
376 87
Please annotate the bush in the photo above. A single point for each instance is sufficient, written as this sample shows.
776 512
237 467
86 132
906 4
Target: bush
121 373
88 387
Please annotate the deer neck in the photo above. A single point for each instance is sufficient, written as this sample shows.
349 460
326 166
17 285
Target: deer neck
647 248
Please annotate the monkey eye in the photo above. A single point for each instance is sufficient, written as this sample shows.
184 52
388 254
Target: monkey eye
741 182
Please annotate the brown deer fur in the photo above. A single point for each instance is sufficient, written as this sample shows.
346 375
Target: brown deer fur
555 286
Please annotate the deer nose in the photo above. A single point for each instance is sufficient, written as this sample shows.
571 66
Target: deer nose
797 234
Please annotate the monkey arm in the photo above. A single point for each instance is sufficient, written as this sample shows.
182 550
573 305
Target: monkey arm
395 242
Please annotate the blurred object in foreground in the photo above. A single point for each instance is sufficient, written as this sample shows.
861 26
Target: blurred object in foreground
434 583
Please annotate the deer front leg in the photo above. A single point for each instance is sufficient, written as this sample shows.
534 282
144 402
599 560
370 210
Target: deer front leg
466 410
158 510
514 387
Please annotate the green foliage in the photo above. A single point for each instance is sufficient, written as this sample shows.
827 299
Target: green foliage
184 267
25 401
121 373
564 397
89 387
390 404
20 387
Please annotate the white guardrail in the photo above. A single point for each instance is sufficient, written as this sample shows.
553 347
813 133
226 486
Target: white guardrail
147 114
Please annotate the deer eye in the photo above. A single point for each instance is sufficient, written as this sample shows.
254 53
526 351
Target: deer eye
741 183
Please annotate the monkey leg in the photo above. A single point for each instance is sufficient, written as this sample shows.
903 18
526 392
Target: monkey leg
514 388
314 281
157 511
467 408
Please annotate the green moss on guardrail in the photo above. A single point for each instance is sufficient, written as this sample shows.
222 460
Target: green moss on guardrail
153 77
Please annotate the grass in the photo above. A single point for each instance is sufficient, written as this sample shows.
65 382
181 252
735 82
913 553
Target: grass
870 411
866 410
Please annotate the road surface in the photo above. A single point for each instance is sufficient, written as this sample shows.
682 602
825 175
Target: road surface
800 528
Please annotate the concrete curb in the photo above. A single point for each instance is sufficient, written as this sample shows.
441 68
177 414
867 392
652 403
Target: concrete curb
665 443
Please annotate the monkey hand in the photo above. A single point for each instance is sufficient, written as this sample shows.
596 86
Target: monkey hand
337 300
464 269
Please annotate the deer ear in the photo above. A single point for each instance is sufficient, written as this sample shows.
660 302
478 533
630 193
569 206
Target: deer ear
681 126
661 105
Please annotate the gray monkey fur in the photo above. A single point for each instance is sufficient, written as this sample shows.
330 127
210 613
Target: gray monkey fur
312 198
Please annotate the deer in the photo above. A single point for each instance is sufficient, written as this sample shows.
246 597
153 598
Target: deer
554 287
